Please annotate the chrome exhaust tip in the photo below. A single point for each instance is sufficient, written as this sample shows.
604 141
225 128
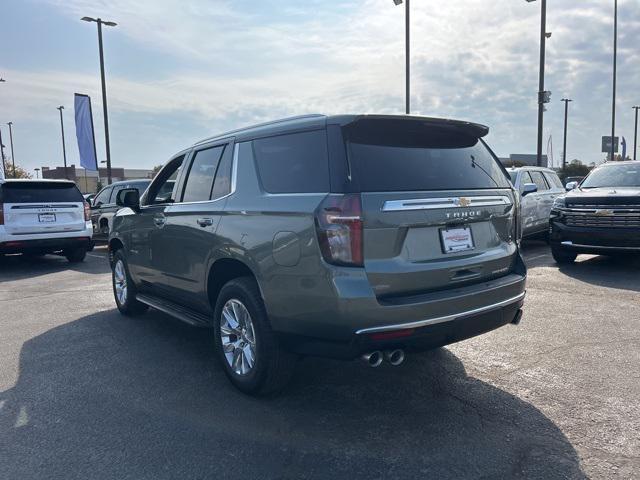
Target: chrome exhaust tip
394 357
373 359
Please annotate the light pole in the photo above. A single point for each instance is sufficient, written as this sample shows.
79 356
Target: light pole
564 149
64 149
543 96
37 170
635 135
13 158
101 22
407 54
4 167
615 67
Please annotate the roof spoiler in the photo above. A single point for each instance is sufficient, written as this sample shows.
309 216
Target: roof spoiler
473 129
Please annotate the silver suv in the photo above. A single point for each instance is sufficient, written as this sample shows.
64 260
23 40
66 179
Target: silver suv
340 236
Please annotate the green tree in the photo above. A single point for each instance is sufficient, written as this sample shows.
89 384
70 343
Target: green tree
19 173
575 168
155 170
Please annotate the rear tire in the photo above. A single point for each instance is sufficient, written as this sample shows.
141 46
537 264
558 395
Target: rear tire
76 255
563 257
249 351
124 290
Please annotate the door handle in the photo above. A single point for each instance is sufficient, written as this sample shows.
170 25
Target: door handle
159 221
205 222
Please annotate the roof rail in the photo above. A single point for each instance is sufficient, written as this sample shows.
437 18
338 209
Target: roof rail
258 125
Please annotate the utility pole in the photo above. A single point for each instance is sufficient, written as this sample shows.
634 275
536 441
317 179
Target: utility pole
101 22
615 67
635 135
564 149
407 54
13 158
4 167
64 149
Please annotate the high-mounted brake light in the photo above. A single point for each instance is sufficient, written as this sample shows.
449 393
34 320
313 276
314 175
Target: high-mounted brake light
339 228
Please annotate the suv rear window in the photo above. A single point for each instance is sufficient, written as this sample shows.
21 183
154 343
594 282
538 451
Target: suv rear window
410 155
39 192
293 163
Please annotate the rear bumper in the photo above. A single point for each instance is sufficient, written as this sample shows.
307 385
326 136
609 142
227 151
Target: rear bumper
351 323
599 241
416 339
45 243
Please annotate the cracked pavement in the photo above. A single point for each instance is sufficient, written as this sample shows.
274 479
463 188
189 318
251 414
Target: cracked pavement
86 393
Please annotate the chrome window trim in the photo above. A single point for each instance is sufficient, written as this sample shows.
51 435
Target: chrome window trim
445 202
234 173
446 318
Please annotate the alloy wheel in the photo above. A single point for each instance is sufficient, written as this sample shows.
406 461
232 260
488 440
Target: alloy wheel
120 282
238 337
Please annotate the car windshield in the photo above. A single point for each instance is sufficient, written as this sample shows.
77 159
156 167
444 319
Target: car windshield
614 176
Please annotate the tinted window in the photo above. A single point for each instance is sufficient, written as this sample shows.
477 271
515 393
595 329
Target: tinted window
201 174
614 176
295 163
539 180
222 183
103 196
38 192
553 180
411 155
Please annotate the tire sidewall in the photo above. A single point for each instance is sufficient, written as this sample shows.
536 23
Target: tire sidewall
126 307
251 382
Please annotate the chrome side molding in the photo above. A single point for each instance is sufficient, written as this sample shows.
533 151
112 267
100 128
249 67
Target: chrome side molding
445 202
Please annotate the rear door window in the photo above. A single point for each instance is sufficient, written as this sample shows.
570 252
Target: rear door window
222 182
39 192
293 163
539 180
404 155
201 174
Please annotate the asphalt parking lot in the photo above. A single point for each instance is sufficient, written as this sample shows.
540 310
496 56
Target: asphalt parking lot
87 393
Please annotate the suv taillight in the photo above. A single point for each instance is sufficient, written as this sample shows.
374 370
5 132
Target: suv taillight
1 213
87 212
517 217
339 227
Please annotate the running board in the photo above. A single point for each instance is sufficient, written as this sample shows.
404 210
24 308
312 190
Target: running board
181 313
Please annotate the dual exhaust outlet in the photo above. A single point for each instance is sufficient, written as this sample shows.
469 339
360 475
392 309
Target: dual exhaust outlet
374 359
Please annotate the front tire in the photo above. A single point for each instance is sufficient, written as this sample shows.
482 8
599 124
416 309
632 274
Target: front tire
563 257
124 290
248 349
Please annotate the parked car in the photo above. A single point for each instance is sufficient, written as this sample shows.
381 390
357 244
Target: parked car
103 205
601 216
536 202
340 236
44 216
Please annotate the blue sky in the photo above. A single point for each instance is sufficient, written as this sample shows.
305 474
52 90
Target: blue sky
182 70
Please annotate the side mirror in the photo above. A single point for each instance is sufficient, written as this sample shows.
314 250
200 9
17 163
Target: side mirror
128 197
529 188
570 186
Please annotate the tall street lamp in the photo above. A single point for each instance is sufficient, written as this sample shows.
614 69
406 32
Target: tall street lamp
635 135
543 96
566 115
615 66
13 158
406 54
64 149
101 22
4 167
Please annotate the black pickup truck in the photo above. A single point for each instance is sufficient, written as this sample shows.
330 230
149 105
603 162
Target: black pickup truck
600 216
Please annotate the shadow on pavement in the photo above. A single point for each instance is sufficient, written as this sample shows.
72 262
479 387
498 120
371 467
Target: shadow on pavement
112 397
18 267
621 272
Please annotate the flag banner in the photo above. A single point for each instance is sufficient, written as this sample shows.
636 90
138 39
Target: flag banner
84 132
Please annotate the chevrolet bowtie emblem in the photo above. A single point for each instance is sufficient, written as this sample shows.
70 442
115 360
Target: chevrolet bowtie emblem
464 202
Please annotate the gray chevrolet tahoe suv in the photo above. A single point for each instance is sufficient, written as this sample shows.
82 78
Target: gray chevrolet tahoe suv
340 236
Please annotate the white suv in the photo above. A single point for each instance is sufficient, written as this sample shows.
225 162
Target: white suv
44 216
